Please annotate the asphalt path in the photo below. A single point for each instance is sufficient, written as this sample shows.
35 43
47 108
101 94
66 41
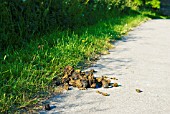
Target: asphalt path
140 61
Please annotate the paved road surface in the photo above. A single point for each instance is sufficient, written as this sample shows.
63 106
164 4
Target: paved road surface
141 60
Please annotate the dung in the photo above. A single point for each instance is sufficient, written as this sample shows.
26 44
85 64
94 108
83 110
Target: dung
84 79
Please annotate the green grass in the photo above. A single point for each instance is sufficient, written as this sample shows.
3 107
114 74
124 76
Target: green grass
154 14
26 73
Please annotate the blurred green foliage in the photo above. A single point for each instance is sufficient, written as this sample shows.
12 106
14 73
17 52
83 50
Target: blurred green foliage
22 20
154 3
147 3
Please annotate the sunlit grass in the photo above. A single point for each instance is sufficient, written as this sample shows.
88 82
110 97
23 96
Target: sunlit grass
26 73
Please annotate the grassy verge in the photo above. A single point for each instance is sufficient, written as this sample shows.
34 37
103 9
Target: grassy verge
26 73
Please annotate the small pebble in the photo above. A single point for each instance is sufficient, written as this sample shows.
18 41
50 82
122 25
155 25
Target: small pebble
47 107
115 85
138 90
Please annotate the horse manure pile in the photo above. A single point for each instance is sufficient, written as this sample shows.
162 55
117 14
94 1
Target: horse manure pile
83 80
